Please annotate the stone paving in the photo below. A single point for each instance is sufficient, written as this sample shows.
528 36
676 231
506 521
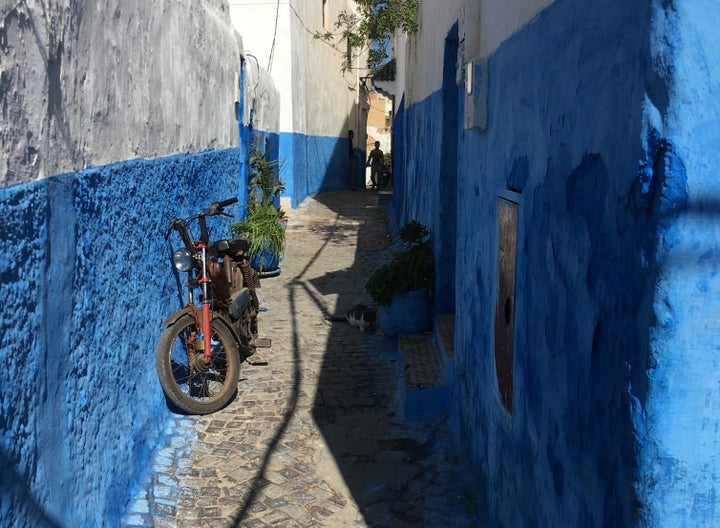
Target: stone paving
319 436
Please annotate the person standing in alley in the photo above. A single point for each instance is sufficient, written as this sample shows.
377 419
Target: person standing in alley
375 161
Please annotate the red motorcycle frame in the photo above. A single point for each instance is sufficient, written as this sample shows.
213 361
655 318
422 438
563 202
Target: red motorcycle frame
201 349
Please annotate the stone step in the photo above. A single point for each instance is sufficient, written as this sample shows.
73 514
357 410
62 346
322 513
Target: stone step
422 366
425 396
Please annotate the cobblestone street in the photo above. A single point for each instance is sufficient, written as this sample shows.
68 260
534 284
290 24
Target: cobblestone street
319 435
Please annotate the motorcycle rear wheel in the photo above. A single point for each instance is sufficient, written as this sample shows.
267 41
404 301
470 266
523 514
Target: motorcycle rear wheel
191 385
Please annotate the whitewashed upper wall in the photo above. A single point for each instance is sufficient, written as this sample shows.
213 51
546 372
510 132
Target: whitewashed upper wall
424 50
330 93
495 21
483 25
262 99
149 79
255 20
316 97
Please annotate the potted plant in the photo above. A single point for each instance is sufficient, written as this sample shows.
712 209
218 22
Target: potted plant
401 288
264 222
264 228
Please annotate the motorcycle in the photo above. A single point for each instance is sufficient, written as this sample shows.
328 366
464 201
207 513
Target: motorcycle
202 347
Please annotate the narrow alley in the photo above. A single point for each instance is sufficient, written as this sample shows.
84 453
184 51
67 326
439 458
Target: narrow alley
319 435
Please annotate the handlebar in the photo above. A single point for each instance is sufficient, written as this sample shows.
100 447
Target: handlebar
181 225
227 202
216 208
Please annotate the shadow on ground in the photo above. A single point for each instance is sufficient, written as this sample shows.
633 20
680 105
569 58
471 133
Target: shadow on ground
399 472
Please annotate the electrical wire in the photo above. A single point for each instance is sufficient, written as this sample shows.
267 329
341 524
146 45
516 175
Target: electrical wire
272 47
257 76
253 99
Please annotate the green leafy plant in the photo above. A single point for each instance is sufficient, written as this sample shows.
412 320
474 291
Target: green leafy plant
374 22
265 183
410 269
263 224
263 227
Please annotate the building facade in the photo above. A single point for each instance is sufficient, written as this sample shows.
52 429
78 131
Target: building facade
319 103
116 117
562 154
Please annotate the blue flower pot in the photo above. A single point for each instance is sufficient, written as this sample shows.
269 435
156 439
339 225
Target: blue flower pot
265 261
406 314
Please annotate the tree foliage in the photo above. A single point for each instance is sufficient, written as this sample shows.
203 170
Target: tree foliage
374 23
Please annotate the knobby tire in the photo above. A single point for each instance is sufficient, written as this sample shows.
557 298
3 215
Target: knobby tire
190 389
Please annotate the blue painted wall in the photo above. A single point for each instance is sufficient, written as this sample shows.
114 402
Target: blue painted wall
565 129
313 164
678 423
604 120
86 282
287 160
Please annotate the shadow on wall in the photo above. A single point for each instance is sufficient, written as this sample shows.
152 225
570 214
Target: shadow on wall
18 497
318 164
586 331
585 265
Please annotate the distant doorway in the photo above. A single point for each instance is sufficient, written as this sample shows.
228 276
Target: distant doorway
505 307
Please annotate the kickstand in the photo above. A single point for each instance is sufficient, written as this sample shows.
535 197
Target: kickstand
256 361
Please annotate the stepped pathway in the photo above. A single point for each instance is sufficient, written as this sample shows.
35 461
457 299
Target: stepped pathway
318 436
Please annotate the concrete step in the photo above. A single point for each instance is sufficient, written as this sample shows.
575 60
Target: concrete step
426 396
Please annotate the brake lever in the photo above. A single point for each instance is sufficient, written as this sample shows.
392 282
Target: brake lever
214 209
170 228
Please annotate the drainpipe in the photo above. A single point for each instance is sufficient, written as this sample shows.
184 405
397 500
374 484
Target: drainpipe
357 118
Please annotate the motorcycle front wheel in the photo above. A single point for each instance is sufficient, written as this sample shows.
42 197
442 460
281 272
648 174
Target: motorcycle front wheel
191 384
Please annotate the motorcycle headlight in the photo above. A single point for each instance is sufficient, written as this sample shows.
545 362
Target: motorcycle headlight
183 260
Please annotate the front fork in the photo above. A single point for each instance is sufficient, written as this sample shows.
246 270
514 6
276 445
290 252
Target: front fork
205 287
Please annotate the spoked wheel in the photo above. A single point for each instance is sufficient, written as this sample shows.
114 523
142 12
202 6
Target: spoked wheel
194 386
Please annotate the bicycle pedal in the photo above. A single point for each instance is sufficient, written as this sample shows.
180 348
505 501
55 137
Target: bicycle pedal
256 361
263 342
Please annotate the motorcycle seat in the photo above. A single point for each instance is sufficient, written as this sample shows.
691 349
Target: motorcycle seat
225 247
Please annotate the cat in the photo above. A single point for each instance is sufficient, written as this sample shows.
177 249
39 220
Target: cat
359 316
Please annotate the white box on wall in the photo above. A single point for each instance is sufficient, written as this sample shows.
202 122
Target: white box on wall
476 86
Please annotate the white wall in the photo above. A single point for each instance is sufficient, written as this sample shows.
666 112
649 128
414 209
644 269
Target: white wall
90 82
330 93
256 21
262 98
499 20
426 54
101 93
316 98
